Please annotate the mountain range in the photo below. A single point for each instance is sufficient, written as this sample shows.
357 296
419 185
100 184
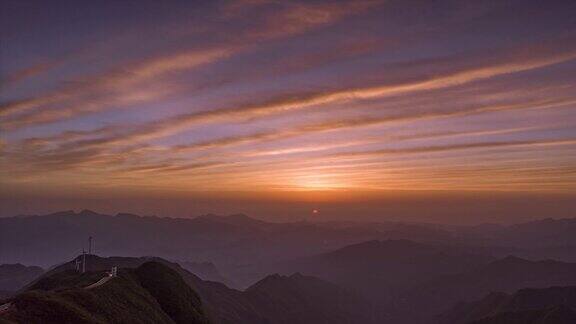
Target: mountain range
15 276
503 275
246 270
274 299
545 305
381 270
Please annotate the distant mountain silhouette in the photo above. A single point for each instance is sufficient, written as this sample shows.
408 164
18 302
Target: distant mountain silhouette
540 239
547 238
551 315
397 230
236 219
382 269
207 271
241 247
552 305
314 301
16 276
545 232
505 275
151 293
223 240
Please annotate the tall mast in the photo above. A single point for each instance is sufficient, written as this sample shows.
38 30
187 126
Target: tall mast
83 261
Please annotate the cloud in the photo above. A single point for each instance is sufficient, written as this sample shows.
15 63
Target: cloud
300 101
26 73
110 139
123 87
66 136
292 18
458 147
172 167
142 82
335 125
394 139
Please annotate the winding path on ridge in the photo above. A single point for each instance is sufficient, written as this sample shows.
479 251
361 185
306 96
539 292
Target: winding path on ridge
99 282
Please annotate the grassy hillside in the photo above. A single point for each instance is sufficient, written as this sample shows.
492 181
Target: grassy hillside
143 295
273 300
175 297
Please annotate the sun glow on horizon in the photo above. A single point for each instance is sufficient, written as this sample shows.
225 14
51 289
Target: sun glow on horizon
318 182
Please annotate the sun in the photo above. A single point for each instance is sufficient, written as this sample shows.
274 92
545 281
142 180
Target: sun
317 183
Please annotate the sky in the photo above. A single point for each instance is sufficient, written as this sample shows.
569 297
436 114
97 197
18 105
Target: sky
416 110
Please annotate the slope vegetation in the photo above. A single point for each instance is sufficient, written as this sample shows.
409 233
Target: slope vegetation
151 293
